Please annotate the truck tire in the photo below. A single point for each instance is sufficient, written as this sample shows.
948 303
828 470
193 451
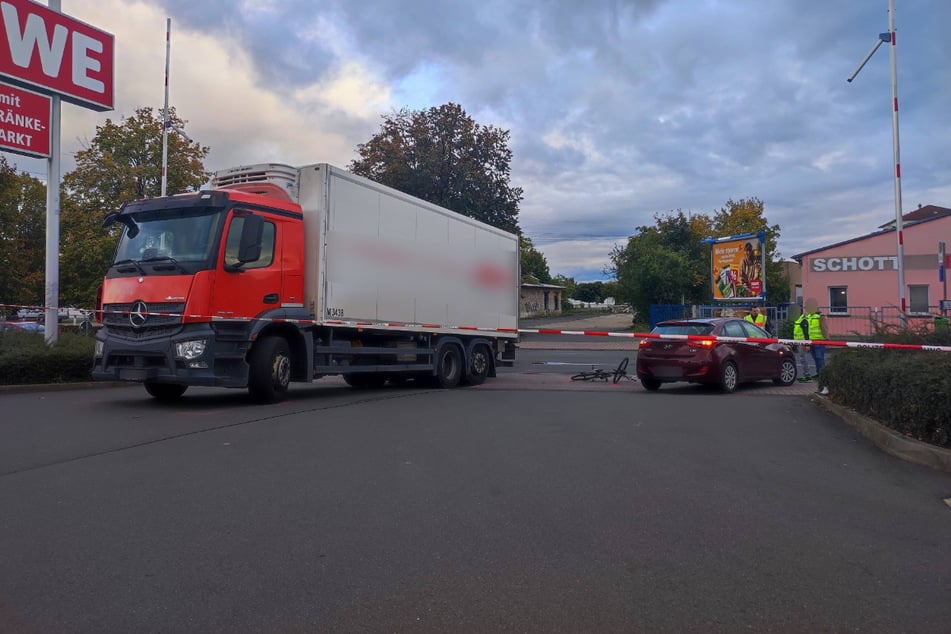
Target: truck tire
165 392
448 367
479 363
270 372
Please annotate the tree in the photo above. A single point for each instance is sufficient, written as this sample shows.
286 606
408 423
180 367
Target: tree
532 262
668 263
123 162
569 284
443 156
22 237
663 264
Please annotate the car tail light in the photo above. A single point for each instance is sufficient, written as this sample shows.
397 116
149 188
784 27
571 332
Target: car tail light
645 343
703 343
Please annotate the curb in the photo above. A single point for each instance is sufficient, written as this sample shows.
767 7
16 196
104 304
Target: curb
889 440
58 387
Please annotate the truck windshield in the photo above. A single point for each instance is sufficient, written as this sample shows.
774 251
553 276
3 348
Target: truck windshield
186 237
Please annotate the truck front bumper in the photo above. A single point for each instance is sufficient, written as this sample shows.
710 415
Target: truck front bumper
223 362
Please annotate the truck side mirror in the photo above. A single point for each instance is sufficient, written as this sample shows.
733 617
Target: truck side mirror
133 230
252 233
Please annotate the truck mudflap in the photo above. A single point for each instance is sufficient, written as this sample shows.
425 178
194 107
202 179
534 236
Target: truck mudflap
221 363
507 358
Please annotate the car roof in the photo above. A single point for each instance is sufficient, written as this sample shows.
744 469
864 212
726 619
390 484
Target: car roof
713 321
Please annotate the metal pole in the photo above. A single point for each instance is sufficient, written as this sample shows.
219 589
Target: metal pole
168 50
898 215
51 334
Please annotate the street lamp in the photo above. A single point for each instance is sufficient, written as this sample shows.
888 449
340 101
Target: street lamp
890 37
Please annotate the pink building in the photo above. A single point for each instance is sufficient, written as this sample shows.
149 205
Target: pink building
855 282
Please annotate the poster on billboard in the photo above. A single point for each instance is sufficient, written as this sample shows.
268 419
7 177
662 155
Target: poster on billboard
737 267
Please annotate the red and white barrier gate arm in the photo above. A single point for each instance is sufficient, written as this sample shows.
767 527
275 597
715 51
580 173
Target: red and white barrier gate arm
829 343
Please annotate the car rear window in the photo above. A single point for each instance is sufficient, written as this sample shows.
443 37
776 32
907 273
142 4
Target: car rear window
683 329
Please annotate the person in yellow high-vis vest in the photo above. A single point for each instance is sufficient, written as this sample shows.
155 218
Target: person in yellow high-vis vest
812 327
757 316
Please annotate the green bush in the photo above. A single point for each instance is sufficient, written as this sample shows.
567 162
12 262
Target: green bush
907 390
26 359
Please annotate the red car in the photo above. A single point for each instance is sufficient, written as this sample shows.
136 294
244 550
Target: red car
724 363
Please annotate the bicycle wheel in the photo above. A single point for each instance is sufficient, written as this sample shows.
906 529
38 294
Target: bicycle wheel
621 370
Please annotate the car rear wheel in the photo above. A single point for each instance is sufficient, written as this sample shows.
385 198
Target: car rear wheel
787 373
651 385
729 377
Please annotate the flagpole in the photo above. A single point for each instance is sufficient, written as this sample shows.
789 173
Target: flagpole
168 50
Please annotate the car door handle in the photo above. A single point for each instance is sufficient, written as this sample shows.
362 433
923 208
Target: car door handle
272 298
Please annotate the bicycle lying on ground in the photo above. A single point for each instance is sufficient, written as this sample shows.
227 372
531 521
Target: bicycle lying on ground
597 374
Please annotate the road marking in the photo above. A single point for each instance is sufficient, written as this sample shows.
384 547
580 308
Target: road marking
947 501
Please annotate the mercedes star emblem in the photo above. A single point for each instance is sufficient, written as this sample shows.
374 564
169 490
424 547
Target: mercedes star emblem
138 314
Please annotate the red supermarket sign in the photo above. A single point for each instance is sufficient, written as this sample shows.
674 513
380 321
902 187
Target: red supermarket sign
24 122
53 53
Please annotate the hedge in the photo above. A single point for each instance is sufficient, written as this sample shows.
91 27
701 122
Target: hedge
26 359
906 390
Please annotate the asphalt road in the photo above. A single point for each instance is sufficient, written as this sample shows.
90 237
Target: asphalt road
513 506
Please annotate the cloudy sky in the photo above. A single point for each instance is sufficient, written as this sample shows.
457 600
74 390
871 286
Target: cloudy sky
618 109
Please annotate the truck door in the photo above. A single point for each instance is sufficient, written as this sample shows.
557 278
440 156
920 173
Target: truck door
248 289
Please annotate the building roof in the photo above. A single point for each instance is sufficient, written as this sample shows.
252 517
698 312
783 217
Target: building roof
916 217
527 285
928 212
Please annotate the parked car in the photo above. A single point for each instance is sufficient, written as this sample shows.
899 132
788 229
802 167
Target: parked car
724 363
22 326
72 313
31 313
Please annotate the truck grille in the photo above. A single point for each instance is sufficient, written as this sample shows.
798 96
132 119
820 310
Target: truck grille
116 318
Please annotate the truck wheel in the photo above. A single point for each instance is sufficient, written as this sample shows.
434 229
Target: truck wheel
270 370
165 392
448 367
478 366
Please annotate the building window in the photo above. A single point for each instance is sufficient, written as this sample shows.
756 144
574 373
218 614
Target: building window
838 300
918 298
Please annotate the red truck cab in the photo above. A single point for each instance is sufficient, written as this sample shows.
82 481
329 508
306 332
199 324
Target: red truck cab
195 278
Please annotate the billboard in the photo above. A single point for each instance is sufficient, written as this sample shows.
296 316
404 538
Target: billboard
24 122
737 266
55 54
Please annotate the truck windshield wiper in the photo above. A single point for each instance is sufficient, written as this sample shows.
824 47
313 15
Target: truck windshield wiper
165 258
134 263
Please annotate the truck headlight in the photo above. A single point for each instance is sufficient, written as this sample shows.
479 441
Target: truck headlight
189 350
100 346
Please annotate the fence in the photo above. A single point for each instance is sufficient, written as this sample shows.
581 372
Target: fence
863 321
662 312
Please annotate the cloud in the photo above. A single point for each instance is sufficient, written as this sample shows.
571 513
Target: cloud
618 109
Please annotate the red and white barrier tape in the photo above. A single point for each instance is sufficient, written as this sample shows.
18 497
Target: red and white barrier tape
538 331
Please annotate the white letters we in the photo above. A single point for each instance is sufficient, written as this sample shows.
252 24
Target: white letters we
56 53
